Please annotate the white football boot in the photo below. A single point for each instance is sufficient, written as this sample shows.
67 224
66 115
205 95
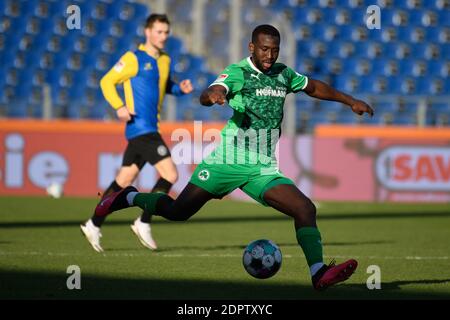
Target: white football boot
92 234
144 233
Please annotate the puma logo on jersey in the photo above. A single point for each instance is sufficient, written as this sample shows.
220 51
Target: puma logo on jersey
269 92
255 76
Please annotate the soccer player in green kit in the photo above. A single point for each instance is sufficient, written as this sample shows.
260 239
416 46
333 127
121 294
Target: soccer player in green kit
255 88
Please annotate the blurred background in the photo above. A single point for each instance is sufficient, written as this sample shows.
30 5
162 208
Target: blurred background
49 71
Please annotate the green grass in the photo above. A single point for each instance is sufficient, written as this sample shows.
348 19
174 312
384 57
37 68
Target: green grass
201 259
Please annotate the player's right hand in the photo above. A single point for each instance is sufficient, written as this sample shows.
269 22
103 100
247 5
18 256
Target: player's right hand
217 97
123 114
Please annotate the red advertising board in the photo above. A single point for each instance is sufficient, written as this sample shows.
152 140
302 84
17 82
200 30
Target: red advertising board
337 163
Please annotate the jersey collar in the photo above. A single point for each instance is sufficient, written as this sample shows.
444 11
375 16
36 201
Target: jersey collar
142 48
250 62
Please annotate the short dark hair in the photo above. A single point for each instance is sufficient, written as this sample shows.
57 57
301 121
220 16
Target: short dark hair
265 29
156 17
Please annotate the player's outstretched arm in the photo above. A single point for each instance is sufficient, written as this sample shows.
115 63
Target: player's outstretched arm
213 94
323 91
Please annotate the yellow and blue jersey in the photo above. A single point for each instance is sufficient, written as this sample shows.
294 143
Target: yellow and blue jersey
146 80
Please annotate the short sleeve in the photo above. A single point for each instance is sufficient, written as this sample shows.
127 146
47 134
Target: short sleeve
232 79
298 81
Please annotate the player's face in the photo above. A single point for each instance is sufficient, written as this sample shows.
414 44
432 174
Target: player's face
265 51
158 34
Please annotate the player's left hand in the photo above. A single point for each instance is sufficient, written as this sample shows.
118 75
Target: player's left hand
186 86
359 107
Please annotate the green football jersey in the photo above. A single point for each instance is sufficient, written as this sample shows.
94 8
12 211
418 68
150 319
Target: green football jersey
257 100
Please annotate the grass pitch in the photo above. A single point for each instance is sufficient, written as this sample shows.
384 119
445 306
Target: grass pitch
202 258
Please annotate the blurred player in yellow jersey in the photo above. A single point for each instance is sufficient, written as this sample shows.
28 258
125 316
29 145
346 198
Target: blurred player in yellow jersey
145 75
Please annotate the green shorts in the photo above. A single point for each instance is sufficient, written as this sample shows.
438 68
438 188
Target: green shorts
222 179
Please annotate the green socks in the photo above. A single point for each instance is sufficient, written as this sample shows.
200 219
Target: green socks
147 201
309 239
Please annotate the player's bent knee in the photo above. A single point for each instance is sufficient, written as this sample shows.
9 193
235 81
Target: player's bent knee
306 210
126 177
124 182
172 178
311 209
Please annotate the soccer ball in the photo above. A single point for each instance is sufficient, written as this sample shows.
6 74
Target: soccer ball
262 259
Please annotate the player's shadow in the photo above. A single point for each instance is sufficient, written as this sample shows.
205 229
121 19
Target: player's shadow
396 285
53 285
356 243
340 243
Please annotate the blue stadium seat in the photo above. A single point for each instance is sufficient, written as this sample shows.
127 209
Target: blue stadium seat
375 84
386 107
331 40
17 108
436 34
12 8
57 8
403 85
398 50
349 118
325 32
413 68
84 5
308 15
439 68
446 50
331 106
98 110
444 17
407 119
3 69
357 66
317 118
431 86
175 48
40 9
348 83
440 107
74 110
407 4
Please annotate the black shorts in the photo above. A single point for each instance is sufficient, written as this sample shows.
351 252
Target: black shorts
149 148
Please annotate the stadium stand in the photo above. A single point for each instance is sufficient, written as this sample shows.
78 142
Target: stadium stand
408 59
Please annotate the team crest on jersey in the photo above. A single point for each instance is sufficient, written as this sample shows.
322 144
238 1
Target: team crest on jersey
148 66
221 78
162 150
203 175
119 66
